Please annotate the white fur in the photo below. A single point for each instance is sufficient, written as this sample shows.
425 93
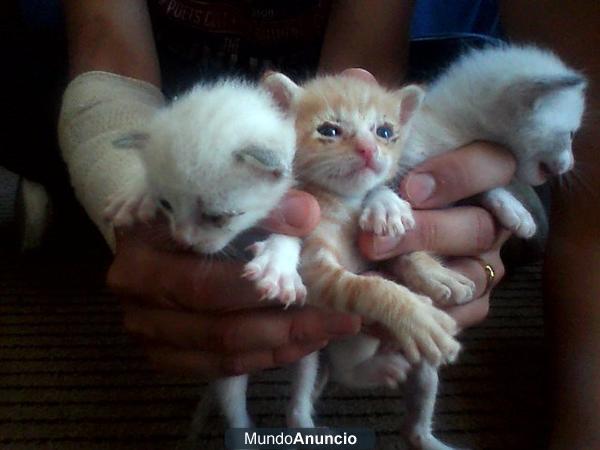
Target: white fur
222 150
190 152
274 268
498 95
480 97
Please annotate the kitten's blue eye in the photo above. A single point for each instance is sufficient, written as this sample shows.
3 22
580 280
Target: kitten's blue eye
385 131
329 130
165 204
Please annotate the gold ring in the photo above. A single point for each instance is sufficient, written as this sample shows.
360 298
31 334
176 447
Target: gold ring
490 272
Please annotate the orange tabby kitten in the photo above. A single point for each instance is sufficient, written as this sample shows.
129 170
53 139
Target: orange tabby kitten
350 136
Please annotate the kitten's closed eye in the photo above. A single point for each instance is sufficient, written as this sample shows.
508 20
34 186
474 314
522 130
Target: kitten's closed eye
328 129
166 205
219 220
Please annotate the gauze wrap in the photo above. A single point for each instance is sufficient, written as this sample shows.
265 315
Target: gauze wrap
97 108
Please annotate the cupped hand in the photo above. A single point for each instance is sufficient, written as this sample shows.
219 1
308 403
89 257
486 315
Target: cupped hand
468 235
196 315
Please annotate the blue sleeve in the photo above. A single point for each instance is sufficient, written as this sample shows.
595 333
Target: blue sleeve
443 18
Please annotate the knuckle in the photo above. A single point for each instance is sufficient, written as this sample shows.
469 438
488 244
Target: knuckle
485 230
228 339
134 326
429 234
298 332
116 279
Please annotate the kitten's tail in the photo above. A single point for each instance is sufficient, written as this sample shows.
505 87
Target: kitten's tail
420 328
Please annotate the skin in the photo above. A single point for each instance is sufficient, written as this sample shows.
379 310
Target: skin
572 263
215 326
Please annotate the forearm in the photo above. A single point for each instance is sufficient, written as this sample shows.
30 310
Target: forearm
372 35
572 265
112 36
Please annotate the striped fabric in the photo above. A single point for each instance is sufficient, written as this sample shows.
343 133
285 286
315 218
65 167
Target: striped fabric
71 379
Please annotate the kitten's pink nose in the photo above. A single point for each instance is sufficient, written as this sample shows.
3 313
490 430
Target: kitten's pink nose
366 149
559 164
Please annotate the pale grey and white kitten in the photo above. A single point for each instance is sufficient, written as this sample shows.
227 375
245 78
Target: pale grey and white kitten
216 161
522 97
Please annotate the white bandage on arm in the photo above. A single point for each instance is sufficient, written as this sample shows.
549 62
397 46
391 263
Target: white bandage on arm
97 108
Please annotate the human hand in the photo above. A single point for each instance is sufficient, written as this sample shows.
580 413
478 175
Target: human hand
467 235
197 316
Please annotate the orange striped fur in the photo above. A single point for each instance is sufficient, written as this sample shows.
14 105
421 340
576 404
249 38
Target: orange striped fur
330 262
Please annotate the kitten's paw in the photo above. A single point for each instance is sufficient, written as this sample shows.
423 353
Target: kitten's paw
125 208
388 370
510 212
428 276
386 214
427 333
299 418
274 274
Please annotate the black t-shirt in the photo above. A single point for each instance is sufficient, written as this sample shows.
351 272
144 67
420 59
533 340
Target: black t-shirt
204 39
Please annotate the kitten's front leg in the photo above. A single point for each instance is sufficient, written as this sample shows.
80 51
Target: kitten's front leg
423 273
385 213
131 204
274 269
509 211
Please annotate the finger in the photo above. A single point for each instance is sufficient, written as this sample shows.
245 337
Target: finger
467 230
459 174
474 268
207 366
359 73
260 360
210 366
471 313
476 311
166 278
252 330
297 215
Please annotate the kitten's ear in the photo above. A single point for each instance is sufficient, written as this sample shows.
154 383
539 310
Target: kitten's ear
283 89
530 91
264 160
410 98
135 139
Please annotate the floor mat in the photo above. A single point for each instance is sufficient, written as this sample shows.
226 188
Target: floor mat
71 379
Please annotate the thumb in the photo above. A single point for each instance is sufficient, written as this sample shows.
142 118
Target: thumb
296 215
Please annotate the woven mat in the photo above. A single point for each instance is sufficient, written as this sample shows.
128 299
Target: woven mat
71 379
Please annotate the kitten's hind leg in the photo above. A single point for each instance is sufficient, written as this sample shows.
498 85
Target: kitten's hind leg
421 391
422 273
300 409
510 212
355 363
231 395
203 409
274 269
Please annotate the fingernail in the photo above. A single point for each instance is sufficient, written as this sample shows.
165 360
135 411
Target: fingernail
419 187
293 211
384 245
343 324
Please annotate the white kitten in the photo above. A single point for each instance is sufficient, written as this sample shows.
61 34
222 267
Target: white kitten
521 97
216 161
